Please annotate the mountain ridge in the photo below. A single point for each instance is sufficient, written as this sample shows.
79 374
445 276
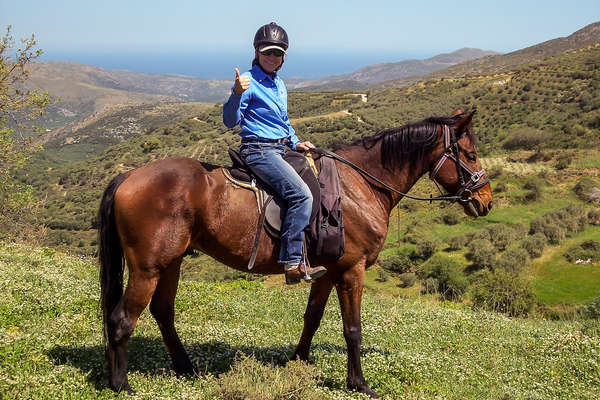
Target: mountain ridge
492 64
375 73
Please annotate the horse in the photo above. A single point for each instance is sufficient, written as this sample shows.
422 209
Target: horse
150 216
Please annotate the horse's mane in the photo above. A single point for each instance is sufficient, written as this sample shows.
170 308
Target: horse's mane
408 142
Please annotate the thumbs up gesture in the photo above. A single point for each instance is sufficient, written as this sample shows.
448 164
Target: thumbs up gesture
241 83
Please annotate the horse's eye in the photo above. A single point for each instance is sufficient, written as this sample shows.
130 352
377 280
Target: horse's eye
472 157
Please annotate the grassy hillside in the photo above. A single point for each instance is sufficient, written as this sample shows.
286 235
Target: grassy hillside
240 335
553 103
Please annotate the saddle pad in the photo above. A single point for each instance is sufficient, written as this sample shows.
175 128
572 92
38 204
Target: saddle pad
273 212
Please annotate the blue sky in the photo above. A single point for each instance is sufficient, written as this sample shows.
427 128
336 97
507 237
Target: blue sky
373 31
431 26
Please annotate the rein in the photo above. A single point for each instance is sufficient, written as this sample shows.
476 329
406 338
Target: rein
466 188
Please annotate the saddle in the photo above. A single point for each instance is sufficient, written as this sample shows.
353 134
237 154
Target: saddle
269 209
241 175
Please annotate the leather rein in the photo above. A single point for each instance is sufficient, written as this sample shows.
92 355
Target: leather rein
463 195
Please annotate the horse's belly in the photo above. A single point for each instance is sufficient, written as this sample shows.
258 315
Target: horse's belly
227 230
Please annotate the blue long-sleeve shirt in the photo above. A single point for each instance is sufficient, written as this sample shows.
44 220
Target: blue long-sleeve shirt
261 111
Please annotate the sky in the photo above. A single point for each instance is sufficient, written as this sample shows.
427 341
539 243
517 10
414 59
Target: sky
389 29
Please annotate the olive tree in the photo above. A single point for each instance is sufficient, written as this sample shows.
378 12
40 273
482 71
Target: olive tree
19 106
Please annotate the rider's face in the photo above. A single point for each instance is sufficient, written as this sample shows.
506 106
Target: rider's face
269 63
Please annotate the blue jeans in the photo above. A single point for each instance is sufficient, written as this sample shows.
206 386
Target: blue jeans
295 199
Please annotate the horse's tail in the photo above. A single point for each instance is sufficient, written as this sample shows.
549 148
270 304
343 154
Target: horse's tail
110 253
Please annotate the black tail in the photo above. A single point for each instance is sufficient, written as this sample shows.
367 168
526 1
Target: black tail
110 253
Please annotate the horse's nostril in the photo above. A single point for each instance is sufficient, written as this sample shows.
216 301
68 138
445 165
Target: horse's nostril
490 205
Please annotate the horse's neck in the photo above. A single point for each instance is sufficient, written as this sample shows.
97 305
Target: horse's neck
402 178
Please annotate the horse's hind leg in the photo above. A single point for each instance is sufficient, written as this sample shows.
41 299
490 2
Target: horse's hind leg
162 308
122 321
319 293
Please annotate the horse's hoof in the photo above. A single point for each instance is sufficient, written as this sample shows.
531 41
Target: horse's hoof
126 388
365 389
185 369
300 357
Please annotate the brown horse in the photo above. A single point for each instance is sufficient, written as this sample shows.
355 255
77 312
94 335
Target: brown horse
152 214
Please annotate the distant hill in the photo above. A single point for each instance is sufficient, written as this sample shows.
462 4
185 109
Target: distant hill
176 87
376 73
82 90
501 62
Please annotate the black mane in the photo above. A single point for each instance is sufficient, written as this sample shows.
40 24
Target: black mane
408 142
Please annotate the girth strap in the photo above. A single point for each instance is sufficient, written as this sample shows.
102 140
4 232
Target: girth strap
259 226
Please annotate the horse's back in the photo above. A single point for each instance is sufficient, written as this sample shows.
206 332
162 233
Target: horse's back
156 204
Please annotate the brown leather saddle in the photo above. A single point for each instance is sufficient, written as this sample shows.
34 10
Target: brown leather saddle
273 213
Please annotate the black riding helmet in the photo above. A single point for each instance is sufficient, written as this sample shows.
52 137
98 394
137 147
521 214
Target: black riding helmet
271 34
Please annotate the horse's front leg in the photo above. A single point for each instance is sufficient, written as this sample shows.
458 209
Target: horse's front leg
319 293
349 291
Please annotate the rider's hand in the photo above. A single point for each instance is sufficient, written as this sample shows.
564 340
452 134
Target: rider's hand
242 83
304 146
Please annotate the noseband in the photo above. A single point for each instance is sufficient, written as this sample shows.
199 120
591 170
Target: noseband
464 194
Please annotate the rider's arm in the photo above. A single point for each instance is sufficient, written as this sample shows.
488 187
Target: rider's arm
293 139
232 112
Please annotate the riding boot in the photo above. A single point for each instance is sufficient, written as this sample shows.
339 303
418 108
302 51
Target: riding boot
294 273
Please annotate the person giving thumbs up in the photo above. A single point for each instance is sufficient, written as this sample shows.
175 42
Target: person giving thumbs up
242 83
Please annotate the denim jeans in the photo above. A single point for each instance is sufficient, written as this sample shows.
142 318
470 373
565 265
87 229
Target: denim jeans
295 199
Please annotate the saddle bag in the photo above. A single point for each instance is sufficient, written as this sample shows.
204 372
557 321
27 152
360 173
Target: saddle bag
325 234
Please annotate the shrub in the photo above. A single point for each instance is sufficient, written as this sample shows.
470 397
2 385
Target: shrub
563 161
500 187
524 138
426 247
501 235
503 292
534 244
150 145
59 237
556 225
451 281
382 276
451 216
483 254
521 229
548 227
399 262
587 190
591 309
481 234
452 284
430 286
535 186
590 249
594 216
407 279
495 172
457 242
513 259
538 156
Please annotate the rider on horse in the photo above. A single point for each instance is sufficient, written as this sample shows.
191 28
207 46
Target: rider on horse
258 103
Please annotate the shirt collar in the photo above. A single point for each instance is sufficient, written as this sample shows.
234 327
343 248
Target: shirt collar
260 75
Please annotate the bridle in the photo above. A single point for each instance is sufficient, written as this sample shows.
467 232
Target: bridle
475 182
463 195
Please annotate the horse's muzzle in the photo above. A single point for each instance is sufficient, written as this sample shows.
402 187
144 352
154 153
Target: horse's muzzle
477 209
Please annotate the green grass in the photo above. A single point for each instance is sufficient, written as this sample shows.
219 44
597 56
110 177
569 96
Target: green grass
240 335
557 281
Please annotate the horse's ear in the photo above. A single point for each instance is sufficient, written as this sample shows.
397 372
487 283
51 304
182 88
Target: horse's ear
464 123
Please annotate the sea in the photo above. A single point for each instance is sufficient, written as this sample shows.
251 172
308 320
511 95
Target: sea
221 64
